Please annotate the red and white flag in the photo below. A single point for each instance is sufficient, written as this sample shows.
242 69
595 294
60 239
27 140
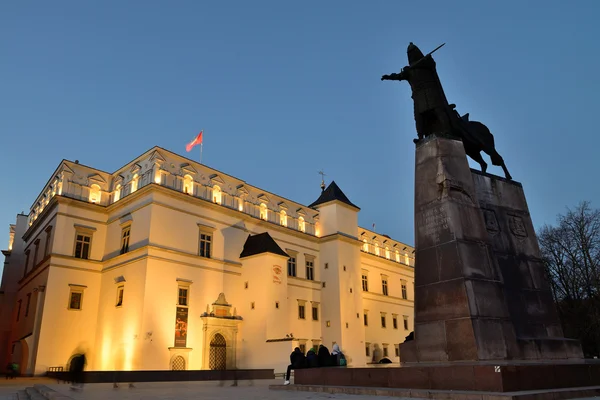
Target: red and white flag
197 140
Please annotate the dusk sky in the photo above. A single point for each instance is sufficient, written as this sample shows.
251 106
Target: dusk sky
283 89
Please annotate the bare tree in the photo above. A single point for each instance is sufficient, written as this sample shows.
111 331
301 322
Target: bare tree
571 251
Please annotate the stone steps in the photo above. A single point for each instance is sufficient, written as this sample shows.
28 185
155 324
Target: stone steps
39 392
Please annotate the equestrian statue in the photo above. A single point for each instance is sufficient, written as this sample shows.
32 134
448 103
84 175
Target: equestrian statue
434 115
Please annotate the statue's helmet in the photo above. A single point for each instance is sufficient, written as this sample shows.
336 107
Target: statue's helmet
414 54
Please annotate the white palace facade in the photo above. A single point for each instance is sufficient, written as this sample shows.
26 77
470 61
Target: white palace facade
169 264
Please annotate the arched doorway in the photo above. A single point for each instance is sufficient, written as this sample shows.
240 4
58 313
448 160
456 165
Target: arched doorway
178 363
218 353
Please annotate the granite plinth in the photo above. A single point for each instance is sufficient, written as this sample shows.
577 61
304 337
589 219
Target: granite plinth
481 293
466 377
166 375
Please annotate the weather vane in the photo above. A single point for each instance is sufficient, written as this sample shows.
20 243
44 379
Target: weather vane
322 179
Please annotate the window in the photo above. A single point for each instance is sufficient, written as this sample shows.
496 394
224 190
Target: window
276 304
384 285
376 249
405 317
404 292
188 184
26 261
406 259
383 321
397 350
365 246
48 241
301 310
82 245
217 195
27 304
75 300
368 349
326 265
95 194
19 309
394 321
264 211
291 264
245 285
301 224
385 350
365 282
252 306
182 296
310 270
283 218
315 312
205 242
120 291
35 253
387 252
366 319
397 256
117 194
125 239
134 183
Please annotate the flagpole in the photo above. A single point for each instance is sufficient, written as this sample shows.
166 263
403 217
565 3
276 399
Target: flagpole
201 145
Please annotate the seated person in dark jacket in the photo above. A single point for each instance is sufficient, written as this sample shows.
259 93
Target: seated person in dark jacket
297 360
324 356
312 361
337 358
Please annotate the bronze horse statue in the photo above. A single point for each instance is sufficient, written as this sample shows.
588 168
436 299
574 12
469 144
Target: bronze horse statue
433 114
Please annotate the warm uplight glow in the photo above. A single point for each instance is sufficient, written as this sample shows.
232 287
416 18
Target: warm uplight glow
11 239
406 259
157 179
188 185
217 195
264 211
387 252
301 224
60 184
376 249
317 230
365 245
397 256
134 183
241 205
117 194
283 218
95 194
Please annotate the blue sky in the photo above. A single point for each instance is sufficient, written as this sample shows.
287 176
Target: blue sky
283 89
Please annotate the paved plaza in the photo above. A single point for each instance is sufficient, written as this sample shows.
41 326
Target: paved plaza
175 391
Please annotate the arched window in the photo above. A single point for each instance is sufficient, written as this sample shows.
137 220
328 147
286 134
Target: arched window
387 252
95 194
283 218
376 249
241 204
117 194
264 211
188 184
216 194
301 224
365 246
134 183
397 256
406 259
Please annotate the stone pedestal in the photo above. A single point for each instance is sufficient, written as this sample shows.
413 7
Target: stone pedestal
480 289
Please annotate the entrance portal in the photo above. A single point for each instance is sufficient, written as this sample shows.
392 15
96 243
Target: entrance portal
218 353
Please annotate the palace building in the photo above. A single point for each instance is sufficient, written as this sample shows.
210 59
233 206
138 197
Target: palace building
169 264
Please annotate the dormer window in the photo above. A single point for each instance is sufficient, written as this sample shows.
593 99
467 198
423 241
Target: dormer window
264 211
397 256
387 252
301 224
376 249
117 194
283 218
134 183
365 246
188 185
217 195
95 194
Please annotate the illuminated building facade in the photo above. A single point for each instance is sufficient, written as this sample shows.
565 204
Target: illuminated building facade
169 264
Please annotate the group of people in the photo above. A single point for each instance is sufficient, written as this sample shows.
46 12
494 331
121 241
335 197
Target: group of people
322 358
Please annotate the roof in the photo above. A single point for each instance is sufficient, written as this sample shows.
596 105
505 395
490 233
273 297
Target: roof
261 243
333 192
